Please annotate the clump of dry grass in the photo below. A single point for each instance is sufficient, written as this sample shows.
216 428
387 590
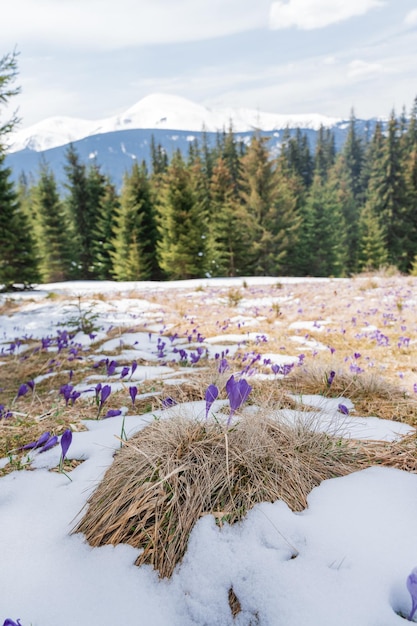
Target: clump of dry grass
176 470
371 394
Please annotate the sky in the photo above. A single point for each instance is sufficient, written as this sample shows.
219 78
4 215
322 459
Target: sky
93 59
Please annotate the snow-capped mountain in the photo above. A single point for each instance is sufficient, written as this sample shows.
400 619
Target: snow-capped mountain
163 112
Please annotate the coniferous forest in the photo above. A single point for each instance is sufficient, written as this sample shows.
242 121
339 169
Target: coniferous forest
227 210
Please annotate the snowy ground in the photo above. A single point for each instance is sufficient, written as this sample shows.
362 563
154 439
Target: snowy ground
344 560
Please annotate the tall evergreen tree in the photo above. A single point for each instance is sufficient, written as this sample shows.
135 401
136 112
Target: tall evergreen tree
372 247
322 242
134 256
182 225
229 224
86 189
386 195
18 261
104 233
54 235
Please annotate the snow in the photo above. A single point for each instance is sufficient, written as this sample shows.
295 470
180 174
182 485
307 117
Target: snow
160 111
343 560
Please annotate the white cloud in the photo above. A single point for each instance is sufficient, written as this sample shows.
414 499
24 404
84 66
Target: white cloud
106 24
311 14
359 69
411 18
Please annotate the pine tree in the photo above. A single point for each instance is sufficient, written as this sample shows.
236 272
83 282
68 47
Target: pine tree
104 233
325 152
54 234
182 225
229 224
322 242
372 249
18 261
86 189
387 196
134 256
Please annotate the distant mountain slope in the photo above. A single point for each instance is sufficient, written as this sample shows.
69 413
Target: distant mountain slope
174 122
163 112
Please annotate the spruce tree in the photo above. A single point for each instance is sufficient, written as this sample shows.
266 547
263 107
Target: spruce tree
134 242
229 224
182 225
18 261
86 189
386 194
53 228
372 248
322 242
104 233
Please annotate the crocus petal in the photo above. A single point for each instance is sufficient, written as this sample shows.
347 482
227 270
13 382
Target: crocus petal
343 409
211 394
113 413
66 442
105 392
133 390
331 377
124 372
49 444
168 402
23 389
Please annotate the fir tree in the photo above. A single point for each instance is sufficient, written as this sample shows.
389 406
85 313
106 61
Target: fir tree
372 249
18 261
54 234
134 256
386 195
104 233
229 224
182 225
322 243
86 189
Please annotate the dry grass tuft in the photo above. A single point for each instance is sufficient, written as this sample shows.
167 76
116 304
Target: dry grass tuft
176 470
371 394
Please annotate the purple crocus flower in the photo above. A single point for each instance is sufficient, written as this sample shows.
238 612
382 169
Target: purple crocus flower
133 369
331 377
211 394
10 622
111 367
38 443
223 366
49 444
124 372
113 413
133 390
65 442
168 402
23 389
343 409
237 392
104 394
412 588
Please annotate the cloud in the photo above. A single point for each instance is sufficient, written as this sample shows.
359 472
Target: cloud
363 70
106 24
411 18
311 14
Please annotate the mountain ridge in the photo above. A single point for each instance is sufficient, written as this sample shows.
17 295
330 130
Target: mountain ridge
164 112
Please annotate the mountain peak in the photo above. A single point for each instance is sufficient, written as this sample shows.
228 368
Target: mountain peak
160 111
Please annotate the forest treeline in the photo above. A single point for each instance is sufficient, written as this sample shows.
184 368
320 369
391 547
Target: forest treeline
225 210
